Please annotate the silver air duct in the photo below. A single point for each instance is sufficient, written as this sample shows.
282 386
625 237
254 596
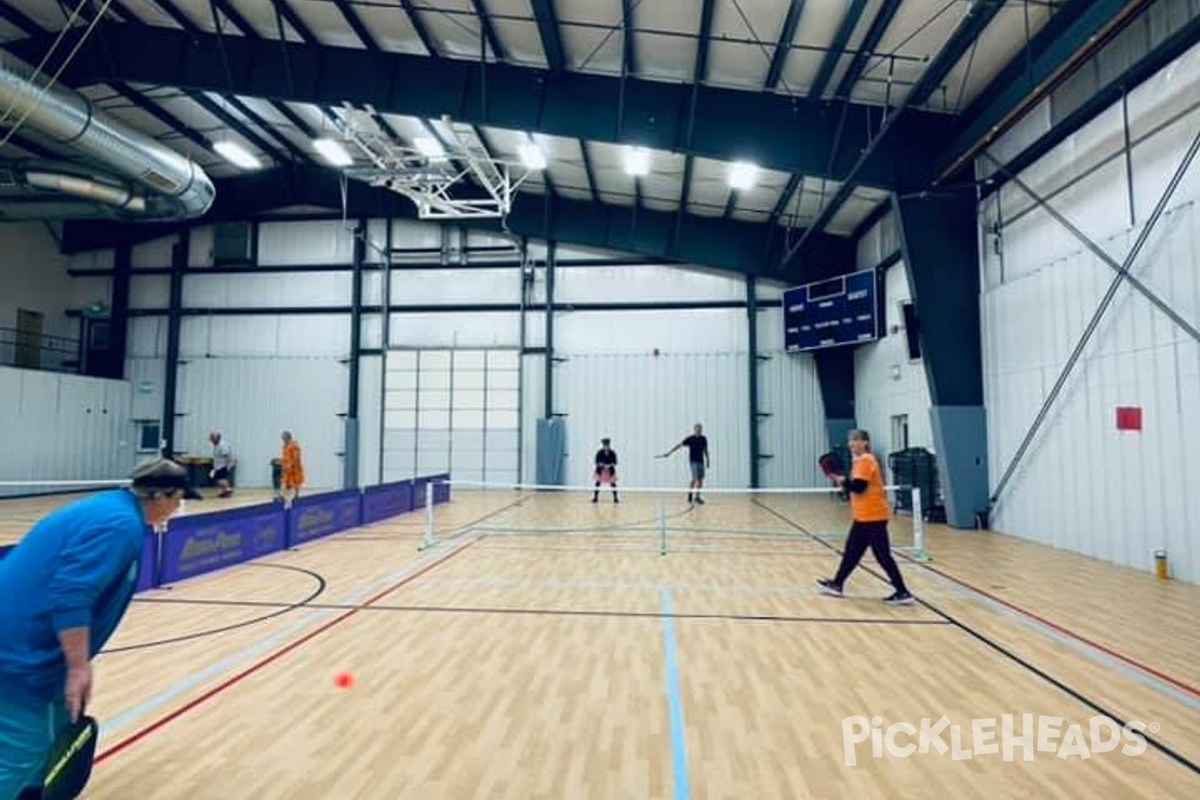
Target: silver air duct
177 188
119 197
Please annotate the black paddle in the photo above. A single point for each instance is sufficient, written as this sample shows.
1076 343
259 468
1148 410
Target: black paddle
70 763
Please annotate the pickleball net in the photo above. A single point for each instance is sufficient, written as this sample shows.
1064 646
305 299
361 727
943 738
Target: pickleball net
664 520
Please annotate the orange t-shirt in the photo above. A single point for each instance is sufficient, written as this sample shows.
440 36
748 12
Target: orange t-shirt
871 505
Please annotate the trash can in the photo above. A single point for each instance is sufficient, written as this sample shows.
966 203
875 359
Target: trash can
277 474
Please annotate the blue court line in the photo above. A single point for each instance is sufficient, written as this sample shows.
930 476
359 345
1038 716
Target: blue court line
679 767
250 651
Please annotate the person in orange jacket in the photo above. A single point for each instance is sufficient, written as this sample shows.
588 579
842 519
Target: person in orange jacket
291 469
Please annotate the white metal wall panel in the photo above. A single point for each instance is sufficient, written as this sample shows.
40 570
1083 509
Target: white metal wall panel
85 290
150 291
310 242
440 287
154 253
200 246
146 375
64 427
92 259
880 241
772 333
887 383
376 239
251 400
372 331
1084 485
283 336
372 288
789 390
410 234
647 404
370 418
1155 161
639 332
645 284
146 336
441 329
533 407
267 290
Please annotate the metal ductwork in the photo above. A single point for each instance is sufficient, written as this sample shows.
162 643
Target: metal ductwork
119 197
168 185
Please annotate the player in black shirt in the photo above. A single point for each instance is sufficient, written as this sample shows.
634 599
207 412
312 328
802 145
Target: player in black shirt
698 461
606 469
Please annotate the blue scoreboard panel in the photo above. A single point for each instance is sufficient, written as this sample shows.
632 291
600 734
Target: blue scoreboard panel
839 311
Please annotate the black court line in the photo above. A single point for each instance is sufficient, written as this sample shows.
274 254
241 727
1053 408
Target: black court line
281 609
564 612
493 543
1004 651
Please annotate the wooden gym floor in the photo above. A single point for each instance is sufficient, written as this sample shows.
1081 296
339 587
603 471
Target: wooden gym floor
503 664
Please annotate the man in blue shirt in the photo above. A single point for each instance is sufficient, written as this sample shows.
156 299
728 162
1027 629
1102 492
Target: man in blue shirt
66 586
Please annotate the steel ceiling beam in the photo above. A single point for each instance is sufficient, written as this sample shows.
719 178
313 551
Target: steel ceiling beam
783 47
838 48
781 133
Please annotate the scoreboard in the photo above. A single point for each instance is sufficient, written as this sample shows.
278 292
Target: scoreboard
838 311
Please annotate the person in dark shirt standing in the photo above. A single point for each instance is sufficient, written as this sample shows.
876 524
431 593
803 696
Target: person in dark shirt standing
698 461
606 469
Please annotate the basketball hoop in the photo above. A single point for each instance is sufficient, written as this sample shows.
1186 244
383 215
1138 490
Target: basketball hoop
430 179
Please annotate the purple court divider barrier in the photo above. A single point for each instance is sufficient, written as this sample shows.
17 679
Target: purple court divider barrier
389 500
441 488
208 542
149 563
322 515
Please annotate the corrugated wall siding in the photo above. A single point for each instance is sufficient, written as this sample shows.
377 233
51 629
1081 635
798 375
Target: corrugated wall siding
647 404
251 400
1084 485
887 383
64 427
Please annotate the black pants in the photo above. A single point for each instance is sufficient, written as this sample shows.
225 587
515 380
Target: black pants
875 536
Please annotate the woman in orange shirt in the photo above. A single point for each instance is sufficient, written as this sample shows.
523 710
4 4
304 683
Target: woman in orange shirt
870 510
291 476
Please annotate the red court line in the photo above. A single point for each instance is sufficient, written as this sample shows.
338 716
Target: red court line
1192 690
278 654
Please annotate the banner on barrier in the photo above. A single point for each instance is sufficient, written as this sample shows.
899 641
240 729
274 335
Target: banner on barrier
195 545
324 514
388 500
441 488
149 564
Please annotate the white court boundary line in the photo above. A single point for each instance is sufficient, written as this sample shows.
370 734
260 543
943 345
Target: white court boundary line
627 489
20 484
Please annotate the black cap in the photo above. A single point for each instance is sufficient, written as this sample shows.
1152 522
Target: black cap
163 473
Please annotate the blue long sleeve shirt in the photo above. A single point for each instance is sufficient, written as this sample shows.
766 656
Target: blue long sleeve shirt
77 567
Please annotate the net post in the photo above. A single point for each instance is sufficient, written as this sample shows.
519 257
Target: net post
919 553
429 540
661 520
